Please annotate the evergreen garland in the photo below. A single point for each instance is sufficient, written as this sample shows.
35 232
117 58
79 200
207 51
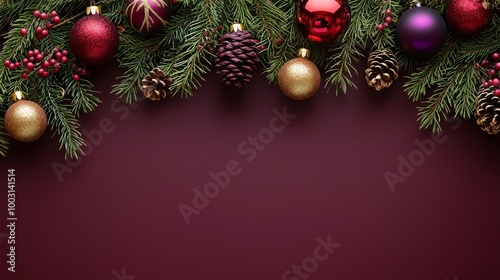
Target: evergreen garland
185 50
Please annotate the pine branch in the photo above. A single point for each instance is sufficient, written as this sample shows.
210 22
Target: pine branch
4 143
61 120
190 59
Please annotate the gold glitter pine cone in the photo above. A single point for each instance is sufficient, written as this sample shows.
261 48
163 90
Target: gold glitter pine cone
382 69
156 85
488 110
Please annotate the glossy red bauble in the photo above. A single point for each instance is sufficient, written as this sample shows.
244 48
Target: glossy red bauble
323 21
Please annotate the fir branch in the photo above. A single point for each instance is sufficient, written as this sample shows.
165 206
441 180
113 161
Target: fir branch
4 142
441 102
291 41
267 26
61 120
188 62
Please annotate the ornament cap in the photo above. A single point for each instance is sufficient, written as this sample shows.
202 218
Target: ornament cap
235 27
304 53
94 10
18 95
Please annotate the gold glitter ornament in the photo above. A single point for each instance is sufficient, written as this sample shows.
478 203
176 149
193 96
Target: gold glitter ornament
25 120
299 78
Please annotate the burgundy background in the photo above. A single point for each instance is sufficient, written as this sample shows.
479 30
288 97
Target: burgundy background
323 175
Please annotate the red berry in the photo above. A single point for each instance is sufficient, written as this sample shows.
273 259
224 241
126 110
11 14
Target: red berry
56 19
64 59
39 57
497 66
24 76
25 61
36 14
17 64
52 62
12 66
495 56
43 16
380 27
38 30
388 19
59 55
84 72
56 69
484 63
65 52
486 84
477 66
41 71
262 48
24 32
30 53
32 59
280 41
496 82
53 13
497 92
46 64
45 33
49 25
30 66
492 72
76 77
6 63
386 25
388 12
36 52
45 74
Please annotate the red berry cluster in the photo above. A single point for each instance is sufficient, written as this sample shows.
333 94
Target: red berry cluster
387 20
43 31
44 64
493 68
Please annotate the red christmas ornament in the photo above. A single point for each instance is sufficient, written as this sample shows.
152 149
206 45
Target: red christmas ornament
469 17
94 39
323 21
148 16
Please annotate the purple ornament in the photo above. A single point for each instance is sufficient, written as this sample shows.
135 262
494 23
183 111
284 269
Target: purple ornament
421 32
148 16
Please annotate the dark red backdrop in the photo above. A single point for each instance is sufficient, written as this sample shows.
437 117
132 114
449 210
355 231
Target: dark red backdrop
320 178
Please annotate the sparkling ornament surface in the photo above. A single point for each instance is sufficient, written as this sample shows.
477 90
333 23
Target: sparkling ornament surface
421 32
323 21
148 16
469 17
94 40
25 121
299 78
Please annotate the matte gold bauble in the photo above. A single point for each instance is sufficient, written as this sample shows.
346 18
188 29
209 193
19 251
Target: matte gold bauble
25 120
299 78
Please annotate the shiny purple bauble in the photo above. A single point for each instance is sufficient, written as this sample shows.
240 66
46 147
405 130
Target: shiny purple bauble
148 16
421 32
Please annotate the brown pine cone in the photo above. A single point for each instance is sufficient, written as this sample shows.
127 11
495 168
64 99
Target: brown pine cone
488 110
382 69
156 85
237 58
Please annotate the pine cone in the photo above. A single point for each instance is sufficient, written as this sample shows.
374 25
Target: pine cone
155 85
488 110
237 58
382 69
